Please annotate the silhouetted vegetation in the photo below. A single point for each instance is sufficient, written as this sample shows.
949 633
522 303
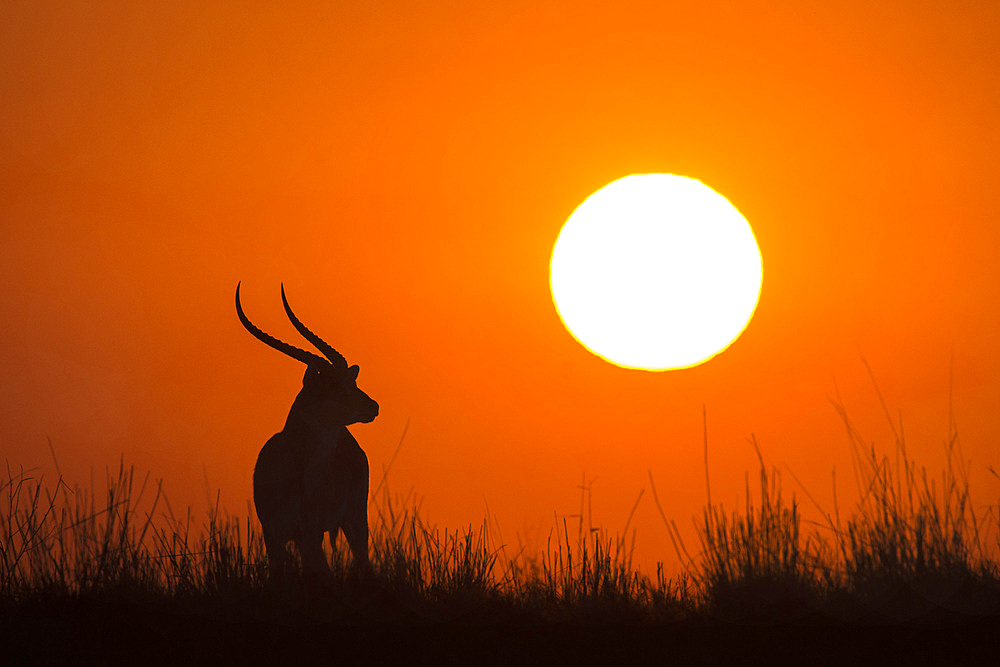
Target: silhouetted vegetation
911 551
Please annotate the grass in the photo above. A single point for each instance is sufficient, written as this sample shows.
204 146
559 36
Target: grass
911 550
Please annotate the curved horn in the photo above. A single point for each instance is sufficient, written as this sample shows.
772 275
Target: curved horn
336 358
302 355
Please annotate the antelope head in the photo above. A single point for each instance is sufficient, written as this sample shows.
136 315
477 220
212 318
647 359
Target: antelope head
330 396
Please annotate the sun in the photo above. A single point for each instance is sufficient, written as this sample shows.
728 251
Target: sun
656 272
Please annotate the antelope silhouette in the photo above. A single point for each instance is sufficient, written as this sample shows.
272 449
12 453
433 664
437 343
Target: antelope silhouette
311 477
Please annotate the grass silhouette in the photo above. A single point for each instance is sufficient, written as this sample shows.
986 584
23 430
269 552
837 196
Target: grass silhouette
912 552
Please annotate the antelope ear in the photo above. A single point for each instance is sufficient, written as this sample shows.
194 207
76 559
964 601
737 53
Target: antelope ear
353 371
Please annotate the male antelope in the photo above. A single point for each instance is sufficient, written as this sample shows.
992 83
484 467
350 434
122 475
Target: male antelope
312 476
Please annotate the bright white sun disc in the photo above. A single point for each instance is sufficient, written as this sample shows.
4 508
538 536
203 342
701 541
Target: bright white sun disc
656 271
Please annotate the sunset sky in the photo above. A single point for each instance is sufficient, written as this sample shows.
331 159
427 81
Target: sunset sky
405 167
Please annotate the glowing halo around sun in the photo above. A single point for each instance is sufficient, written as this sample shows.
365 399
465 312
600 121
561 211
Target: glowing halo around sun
656 272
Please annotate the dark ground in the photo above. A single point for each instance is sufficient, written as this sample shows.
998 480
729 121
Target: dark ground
96 632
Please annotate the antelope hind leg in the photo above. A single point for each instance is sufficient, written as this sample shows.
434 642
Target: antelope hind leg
277 554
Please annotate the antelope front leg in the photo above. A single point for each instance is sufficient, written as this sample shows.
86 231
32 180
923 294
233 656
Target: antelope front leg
313 558
355 527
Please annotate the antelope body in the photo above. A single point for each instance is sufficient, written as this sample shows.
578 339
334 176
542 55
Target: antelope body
311 477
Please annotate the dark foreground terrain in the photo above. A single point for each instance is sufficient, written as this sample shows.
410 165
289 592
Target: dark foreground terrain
92 632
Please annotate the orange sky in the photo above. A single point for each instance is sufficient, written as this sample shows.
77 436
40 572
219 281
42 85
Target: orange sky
405 167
